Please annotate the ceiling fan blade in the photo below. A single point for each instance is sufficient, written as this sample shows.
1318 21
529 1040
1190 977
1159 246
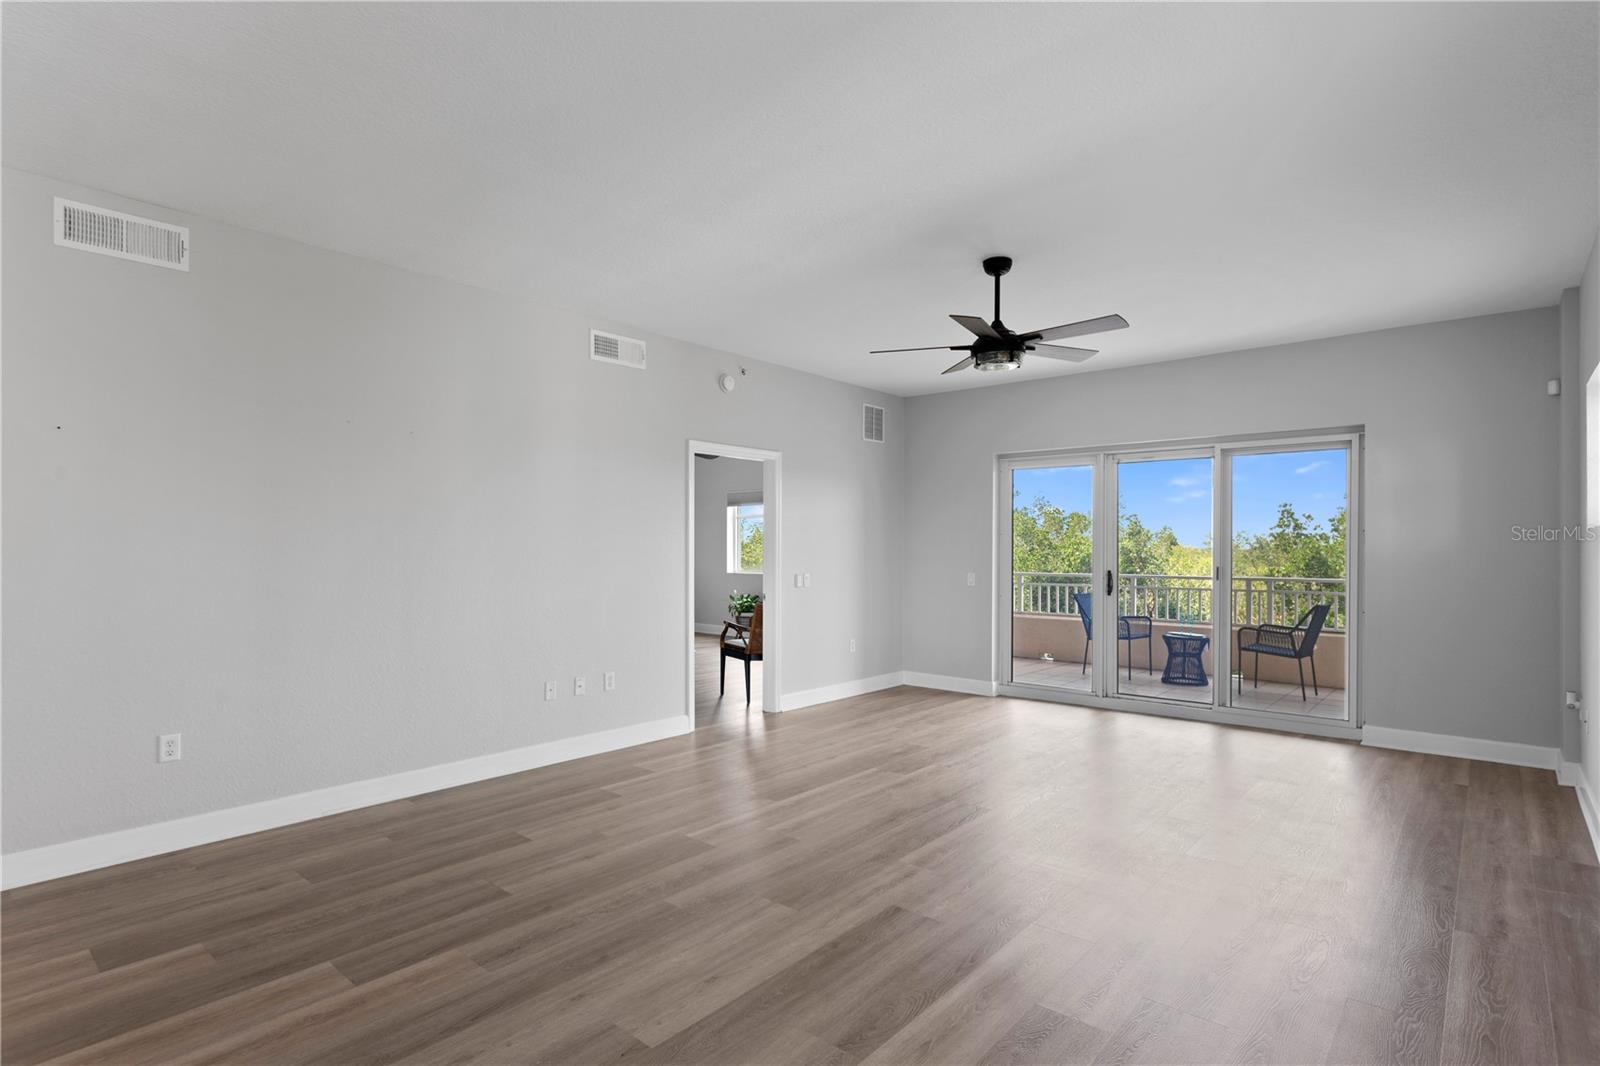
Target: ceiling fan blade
1058 351
968 361
935 348
976 326
1078 329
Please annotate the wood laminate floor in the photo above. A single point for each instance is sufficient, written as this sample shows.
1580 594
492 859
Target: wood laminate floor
905 877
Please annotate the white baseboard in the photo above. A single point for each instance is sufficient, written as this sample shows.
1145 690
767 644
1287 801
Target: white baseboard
708 628
793 701
109 849
951 684
1571 773
1461 747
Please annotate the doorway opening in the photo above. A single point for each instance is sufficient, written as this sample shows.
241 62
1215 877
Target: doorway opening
732 588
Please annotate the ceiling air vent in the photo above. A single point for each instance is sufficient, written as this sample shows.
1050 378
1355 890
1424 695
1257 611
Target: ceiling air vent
144 240
610 348
872 423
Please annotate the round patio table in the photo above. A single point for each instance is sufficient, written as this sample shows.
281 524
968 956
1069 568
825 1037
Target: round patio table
1183 659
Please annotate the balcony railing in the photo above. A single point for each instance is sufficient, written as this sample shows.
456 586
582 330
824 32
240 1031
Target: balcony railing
1036 593
1187 598
1282 600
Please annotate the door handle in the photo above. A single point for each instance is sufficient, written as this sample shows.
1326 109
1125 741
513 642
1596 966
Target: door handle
1108 583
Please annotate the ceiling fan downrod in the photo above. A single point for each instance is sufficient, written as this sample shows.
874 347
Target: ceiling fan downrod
997 266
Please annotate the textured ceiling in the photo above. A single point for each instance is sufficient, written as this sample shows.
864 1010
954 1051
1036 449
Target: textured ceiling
801 183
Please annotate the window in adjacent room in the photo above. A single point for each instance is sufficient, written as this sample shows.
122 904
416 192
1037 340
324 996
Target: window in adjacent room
746 533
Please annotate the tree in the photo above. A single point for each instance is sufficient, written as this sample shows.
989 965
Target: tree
751 546
1295 546
1047 540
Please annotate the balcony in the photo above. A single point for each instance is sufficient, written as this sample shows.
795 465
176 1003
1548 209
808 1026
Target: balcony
1047 636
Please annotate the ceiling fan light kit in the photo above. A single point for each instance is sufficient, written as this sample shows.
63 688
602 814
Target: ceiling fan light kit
998 348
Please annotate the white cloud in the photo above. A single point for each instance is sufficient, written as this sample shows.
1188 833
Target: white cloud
1184 497
1183 482
1309 467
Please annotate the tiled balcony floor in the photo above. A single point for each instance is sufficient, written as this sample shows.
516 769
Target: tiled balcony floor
1271 696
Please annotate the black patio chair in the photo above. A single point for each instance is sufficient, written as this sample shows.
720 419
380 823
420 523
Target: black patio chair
1295 642
1130 627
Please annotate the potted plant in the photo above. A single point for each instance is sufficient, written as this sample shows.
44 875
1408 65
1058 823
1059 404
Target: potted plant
741 605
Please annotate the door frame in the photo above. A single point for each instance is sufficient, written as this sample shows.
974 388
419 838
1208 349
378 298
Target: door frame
771 565
1352 443
1113 555
1003 575
1220 449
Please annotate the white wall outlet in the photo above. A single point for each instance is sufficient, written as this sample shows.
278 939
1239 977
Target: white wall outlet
611 681
852 643
972 579
579 686
549 690
169 747
808 581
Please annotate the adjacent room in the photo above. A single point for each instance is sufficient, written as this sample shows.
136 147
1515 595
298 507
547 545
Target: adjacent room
729 612
745 533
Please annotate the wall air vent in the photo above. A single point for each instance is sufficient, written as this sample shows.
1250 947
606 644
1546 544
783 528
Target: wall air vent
610 348
872 423
143 240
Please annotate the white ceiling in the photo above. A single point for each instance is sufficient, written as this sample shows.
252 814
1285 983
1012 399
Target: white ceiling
801 183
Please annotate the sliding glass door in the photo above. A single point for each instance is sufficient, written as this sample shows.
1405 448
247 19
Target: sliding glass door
1052 561
1165 578
1205 578
1289 571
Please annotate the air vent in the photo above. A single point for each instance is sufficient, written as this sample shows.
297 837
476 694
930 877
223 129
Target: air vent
106 232
872 423
610 348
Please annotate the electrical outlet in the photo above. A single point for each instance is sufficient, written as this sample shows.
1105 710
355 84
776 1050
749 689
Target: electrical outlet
972 579
169 747
549 690
611 680
579 686
852 643
808 581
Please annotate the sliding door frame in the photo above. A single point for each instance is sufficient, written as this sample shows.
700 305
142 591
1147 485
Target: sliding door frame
1351 442
1106 528
1005 575
1113 491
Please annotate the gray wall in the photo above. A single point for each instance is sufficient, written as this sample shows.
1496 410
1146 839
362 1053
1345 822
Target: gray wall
1588 366
1570 468
1461 622
714 479
332 520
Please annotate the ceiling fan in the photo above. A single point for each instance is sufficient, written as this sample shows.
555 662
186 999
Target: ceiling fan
999 348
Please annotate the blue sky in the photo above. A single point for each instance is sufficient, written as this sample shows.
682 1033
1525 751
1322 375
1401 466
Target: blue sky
1177 492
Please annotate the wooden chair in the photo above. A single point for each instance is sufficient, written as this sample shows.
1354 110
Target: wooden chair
745 644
